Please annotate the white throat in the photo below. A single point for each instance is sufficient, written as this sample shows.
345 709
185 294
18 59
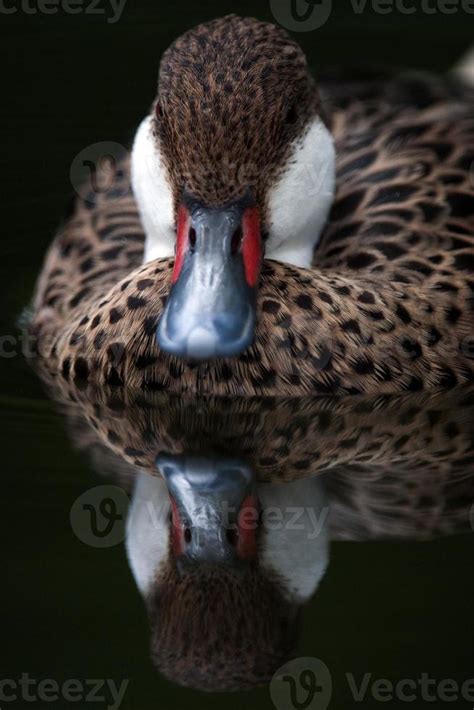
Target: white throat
298 203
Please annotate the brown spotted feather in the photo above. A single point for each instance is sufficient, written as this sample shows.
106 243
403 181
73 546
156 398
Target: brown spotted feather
395 466
388 304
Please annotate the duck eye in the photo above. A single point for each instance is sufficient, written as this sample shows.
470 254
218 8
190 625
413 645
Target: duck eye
192 238
232 537
236 241
292 115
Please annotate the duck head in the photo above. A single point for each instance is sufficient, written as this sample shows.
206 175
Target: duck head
223 568
235 160
214 509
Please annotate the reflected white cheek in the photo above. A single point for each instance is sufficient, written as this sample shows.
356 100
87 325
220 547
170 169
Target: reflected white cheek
300 201
152 190
296 534
147 541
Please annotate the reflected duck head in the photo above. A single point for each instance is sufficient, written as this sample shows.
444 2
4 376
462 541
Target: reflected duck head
214 516
223 609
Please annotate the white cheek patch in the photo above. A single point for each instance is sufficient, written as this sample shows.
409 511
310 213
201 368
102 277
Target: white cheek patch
295 534
300 201
152 190
147 533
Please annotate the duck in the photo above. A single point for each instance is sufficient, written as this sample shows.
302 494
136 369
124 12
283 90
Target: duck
234 505
271 235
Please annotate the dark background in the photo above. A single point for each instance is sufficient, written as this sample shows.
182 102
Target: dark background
69 611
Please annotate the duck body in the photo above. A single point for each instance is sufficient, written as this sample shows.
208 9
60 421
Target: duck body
382 305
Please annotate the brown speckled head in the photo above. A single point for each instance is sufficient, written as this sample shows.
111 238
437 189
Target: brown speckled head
233 96
218 630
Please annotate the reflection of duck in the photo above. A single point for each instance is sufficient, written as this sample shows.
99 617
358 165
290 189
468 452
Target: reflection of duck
408 454
237 152
398 465
223 590
224 609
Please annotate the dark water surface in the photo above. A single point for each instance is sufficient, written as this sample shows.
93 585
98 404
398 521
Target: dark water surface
388 607
393 608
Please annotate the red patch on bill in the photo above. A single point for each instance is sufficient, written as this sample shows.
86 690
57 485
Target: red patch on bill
177 533
182 241
247 525
251 245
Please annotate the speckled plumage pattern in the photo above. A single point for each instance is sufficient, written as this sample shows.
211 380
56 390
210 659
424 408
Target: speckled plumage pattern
396 467
388 305
385 315
248 95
